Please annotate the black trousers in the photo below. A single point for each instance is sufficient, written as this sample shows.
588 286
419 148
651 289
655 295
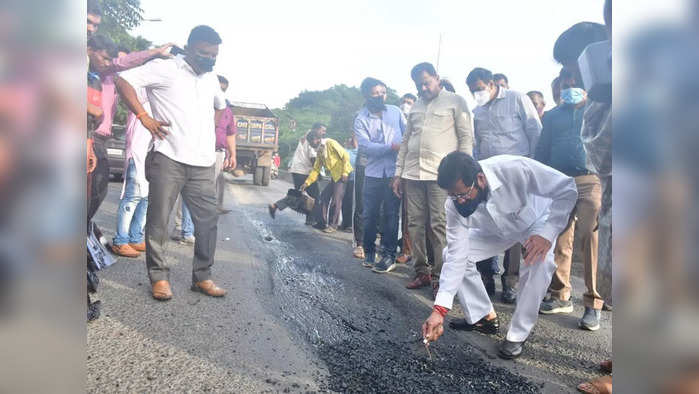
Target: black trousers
312 191
357 219
100 179
347 205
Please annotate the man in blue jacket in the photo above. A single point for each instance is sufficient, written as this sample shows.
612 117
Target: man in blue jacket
561 147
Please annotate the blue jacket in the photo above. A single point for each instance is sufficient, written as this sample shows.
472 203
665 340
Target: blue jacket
560 145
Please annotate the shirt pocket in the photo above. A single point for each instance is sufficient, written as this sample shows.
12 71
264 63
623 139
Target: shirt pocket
417 120
524 218
441 120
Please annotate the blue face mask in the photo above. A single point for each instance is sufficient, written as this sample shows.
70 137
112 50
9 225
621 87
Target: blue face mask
572 95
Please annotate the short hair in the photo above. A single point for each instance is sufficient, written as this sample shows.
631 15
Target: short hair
124 49
93 8
420 68
409 96
100 42
317 126
203 33
499 76
533 93
478 74
571 42
566 73
447 85
368 83
314 134
457 165
222 79
556 81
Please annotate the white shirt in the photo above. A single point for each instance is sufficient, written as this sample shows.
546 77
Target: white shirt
526 198
186 100
304 158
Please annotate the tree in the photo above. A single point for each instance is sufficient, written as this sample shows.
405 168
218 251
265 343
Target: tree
120 16
336 107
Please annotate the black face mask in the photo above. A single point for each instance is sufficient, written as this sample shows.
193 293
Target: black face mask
375 104
469 207
206 64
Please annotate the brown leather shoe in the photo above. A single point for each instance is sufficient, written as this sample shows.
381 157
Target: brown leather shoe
125 250
139 247
421 280
209 288
161 290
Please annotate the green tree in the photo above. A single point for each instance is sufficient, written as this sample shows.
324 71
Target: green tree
336 107
119 17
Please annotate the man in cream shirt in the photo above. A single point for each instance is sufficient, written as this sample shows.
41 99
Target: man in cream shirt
493 204
183 93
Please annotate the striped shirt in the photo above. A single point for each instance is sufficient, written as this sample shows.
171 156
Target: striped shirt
508 125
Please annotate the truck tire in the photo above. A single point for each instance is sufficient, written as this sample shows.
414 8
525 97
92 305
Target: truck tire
257 176
266 176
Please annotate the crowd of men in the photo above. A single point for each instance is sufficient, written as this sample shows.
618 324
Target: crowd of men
515 180
450 191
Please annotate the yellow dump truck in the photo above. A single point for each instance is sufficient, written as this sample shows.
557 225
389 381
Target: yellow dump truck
258 139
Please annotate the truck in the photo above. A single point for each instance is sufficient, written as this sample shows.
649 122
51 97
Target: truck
257 140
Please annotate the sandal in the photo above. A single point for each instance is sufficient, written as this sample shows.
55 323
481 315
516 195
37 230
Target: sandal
601 385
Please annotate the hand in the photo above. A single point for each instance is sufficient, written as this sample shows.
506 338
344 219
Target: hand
397 187
91 157
536 248
164 51
156 127
433 327
303 187
345 178
230 163
395 147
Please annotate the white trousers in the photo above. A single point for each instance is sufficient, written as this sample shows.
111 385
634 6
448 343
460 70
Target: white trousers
533 284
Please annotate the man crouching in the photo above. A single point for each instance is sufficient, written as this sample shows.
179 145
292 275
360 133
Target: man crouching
492 205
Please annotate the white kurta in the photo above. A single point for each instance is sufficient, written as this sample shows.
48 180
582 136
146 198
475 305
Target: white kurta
526 198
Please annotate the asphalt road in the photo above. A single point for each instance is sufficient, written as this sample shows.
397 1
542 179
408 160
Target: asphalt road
302 315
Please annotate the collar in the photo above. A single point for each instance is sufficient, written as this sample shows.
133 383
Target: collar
493 181
501 93
181 63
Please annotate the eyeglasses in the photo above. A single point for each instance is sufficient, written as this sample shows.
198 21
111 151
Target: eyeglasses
463 196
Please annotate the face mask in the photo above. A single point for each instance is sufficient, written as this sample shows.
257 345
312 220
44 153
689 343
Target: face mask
572 95
469 207
482 97
204 63
375 104
405 107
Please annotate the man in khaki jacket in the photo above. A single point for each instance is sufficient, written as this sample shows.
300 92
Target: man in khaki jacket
438 124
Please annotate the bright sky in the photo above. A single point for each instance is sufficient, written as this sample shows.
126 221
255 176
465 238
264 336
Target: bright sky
272 50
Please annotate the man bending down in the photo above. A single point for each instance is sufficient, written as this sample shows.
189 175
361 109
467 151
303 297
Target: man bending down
492 205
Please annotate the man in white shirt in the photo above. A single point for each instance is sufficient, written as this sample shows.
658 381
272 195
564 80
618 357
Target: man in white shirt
302 164
183 93
494 204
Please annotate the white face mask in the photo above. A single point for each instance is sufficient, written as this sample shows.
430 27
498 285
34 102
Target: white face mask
482 97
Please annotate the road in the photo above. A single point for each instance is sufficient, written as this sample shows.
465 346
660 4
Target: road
302 315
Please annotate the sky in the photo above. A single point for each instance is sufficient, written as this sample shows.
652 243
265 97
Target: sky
273 50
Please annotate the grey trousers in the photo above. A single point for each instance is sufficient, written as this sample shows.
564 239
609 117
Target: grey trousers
167 179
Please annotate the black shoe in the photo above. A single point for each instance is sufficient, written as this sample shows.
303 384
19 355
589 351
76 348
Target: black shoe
485 326
509 296
386 264
272 210
509 350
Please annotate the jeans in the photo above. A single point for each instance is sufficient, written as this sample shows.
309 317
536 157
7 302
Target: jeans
488 267
131 215
357 221
376 192
347 205
187 224
100 178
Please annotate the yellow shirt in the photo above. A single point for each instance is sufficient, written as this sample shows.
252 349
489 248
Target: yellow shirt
334 158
